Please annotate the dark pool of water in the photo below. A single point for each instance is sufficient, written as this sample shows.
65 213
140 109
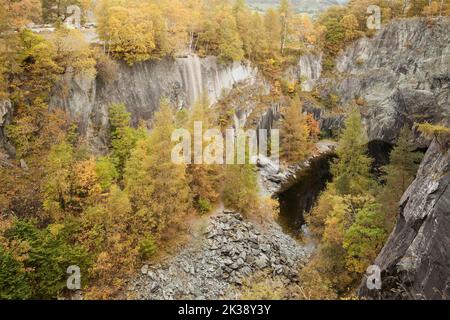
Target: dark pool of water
302 194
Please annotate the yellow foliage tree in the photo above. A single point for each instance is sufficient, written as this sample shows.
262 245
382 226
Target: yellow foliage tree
350 25
296 144
203 178
158 188
133 32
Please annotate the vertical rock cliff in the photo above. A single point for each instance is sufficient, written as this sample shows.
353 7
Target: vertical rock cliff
5 117
415 262
307 71
399 76
140 87
402 76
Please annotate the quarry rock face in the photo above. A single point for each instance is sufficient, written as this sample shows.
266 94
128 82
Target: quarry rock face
307 71
230 250
415 262
6 111
141 86
399 76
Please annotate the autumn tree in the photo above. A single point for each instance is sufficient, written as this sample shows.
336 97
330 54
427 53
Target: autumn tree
184 20
123 136
257 47
111 232
240 190
33 78
350 25
158 188
21 12
242 15
333 34
314 285
136 32
32 72
273 29
240 187
85 188
296 143
73 53
306 31
330 258
416 7
57 186
71 184
285 17
203 178
220 35
352 235
316 219
347 217
194 21
431 10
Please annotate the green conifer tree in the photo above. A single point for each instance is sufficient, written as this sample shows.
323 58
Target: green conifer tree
399 174
351 171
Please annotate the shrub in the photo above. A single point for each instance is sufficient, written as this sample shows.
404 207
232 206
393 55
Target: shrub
49 256
328 64
13 279
106 172
147 247
314 286
435 131
204 206
262 286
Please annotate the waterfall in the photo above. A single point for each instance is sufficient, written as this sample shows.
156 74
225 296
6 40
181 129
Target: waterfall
140 87
191 73
208 76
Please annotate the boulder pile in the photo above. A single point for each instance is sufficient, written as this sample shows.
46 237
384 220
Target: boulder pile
230 250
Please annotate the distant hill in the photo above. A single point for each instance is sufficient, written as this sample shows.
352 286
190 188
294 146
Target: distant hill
306 6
